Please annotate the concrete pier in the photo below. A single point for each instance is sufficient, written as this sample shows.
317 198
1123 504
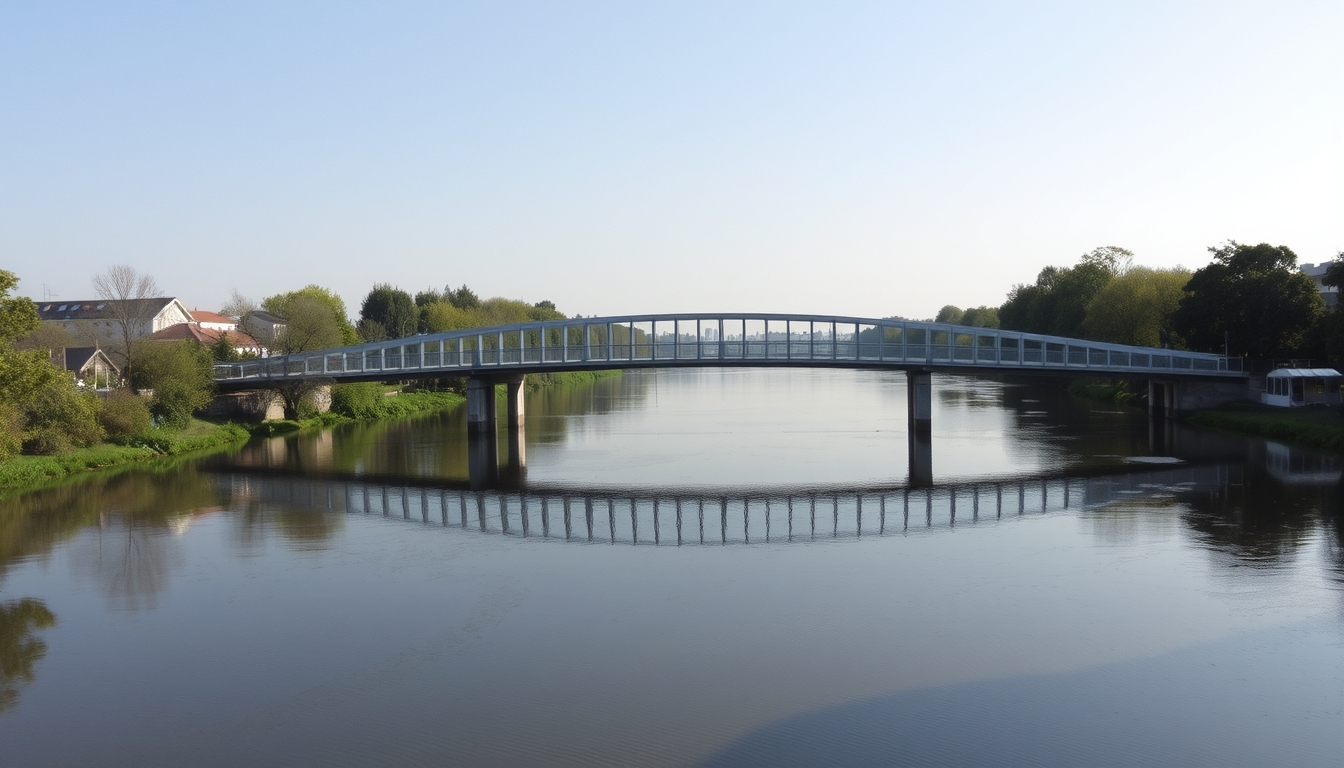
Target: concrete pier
480 405
919 426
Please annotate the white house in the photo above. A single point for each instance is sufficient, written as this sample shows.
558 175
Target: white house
100 318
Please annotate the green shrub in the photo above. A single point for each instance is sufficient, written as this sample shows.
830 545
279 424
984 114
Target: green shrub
60 417
11 432
123 414
182 377
358 401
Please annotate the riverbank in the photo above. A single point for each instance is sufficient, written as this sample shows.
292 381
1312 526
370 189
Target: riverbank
1319 427
23 472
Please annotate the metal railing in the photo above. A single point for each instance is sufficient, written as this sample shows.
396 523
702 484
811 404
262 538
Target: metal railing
731 339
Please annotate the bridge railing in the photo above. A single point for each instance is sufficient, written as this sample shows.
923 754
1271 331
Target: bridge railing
686 339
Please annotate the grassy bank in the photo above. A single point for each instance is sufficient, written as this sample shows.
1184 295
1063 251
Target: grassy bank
24 471
1118 392
363 402
1319 427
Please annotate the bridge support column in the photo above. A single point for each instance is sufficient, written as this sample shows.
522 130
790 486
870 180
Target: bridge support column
515 419
919 426
480 405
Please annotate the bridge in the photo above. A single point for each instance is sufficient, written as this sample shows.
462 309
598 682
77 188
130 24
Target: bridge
698 516
487 357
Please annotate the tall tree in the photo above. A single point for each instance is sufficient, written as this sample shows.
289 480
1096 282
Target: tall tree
280 304
1137 307
392 308
130 298
1057 302
949 314
1252 295
24 374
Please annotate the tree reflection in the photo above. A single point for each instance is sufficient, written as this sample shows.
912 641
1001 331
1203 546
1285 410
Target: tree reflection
20 650
1263 523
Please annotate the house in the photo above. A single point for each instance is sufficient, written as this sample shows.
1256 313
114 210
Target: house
1292 387
263 325
209 337
1316 272
90 365
213 320
102 319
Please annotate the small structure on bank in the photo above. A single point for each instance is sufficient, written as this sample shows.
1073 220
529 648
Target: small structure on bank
1292 387
90 366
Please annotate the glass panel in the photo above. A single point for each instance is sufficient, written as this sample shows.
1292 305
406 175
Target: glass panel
433 354
573 342
870 342
940 343
1032 351
754 335
893 342
411 355
373 360
1009 350
597 342
846 343
688 336
800 338
916 344
709 338
734 332
665 339
962 346
621 348
1054 353
823 341
1097 357
643 340
986 349
777 338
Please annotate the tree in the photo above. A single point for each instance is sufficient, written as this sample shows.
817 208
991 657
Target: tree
392 308
949 314
181 374
131 301
309 325
981 317
1255 295
59 417
462 298
23 373
1057 303
280 304
1137 307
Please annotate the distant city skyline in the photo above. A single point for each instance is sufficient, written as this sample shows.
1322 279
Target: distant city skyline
859 159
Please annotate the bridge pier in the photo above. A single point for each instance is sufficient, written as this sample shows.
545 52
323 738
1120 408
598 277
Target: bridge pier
483 463
480 405
919 426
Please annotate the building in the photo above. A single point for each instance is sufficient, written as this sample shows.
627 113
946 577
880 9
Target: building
241 342
263 325
100 319
1291 387
213 320
90 365
1316 272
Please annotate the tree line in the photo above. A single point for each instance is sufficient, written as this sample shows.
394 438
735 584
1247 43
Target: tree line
1251 300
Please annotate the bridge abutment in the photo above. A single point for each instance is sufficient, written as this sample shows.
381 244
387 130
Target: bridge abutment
919 426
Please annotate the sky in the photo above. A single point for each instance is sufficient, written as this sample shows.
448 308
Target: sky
866 159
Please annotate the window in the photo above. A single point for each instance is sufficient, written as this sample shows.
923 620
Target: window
61 308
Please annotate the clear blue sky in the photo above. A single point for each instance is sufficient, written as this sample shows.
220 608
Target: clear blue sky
856 158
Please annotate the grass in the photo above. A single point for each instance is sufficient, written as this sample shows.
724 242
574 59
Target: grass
24 471
1320 427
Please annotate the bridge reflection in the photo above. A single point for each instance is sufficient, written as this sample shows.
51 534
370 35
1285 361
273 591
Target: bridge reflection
684 516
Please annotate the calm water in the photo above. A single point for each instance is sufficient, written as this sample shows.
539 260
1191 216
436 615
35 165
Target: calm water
1076 589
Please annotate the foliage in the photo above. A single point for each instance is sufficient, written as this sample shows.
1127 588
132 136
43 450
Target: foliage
60 417
444 316
282 304
1316 427
122 414
18 315
47 336
981 317
463 298
11 431
182 378
19 649
392 308
1255 295
371 330
949 314
1057 302
358 401
1137 307
310 325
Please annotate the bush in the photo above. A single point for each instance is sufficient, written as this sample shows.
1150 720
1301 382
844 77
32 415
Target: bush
123 414
60 417
182 377
11 431
358 401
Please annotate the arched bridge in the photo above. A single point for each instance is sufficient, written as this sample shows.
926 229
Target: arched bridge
730 340
506 354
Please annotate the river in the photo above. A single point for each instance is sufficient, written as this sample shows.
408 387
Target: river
719 567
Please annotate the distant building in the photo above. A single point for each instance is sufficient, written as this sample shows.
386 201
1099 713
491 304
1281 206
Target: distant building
1317 271
90 365
209 337
99 319
264 325
213 320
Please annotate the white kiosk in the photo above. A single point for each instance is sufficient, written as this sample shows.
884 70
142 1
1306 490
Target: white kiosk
1292 387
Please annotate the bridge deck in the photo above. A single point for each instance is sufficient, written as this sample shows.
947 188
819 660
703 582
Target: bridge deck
697 340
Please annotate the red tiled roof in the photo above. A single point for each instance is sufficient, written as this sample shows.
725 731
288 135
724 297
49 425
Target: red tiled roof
203 316
184 331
